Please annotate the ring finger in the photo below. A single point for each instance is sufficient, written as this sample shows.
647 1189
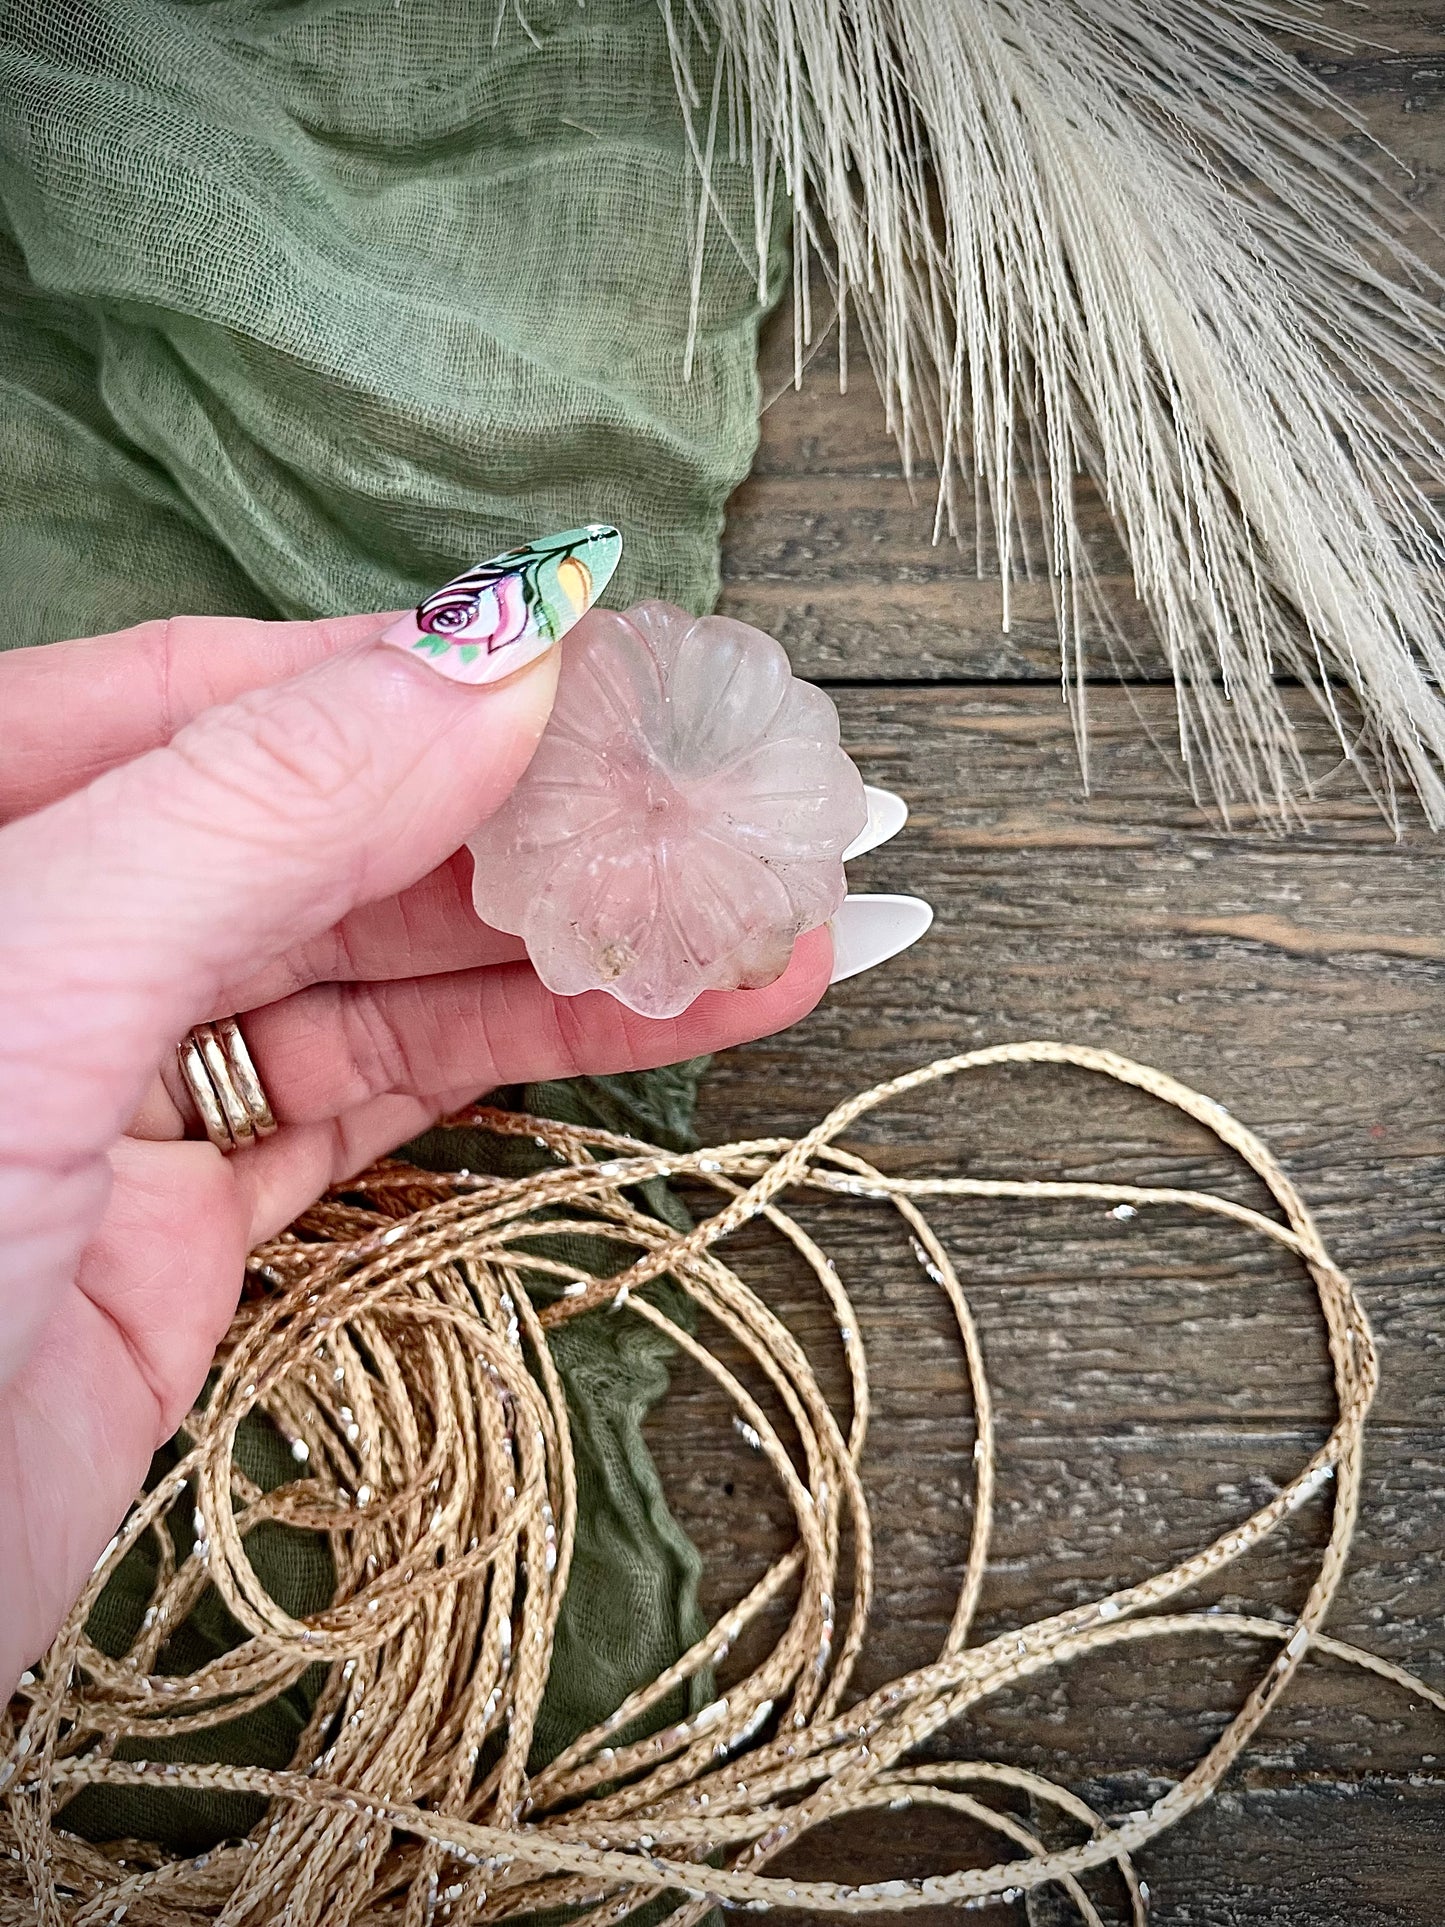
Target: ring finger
338 1046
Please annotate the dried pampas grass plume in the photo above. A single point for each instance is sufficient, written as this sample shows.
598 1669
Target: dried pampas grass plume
1109 237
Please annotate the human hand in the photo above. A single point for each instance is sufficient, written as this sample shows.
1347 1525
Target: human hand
210 816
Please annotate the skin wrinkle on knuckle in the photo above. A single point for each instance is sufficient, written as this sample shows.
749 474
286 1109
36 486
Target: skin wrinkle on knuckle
326 958
403 935
333 955
374 1048
413 930
188 682
297 971
449 1027
339 1159
421 917
509 1011
289 758
158 646
442 1024
593 1033
651 1041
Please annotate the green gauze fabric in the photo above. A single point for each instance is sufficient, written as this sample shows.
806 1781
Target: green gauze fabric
303 305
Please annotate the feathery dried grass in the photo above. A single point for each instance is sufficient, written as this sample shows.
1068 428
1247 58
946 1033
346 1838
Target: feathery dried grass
1112 238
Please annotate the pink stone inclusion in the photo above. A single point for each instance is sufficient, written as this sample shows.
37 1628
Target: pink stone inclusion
683 820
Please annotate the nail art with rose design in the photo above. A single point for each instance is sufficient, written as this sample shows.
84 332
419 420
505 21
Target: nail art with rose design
502 614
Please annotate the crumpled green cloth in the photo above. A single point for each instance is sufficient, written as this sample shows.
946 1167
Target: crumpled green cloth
301 307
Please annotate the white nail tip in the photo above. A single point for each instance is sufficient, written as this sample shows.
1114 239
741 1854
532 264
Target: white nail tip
887 814
868 930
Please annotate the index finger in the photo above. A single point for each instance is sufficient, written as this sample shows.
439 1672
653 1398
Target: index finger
75 709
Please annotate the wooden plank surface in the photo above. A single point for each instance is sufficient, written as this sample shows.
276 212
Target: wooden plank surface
1154 1380
831 549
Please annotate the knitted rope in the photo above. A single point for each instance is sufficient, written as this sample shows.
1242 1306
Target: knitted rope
397 1337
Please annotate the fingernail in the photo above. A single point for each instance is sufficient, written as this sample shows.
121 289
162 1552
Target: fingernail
494 619
868 930
887 814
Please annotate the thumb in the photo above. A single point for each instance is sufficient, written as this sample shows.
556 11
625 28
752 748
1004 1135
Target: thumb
127 908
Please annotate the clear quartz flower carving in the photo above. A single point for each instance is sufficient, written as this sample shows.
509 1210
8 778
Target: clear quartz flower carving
683 820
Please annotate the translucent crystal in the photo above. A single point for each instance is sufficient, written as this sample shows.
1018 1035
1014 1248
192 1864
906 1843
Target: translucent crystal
683 820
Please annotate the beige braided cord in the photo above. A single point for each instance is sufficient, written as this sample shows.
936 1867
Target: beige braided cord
397 1337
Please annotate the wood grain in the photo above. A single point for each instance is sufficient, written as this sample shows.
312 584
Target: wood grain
1159 1378
1154 1380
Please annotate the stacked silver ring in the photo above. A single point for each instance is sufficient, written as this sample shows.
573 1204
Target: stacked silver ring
224 1086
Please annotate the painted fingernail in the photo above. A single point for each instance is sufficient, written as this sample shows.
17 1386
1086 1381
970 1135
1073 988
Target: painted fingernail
503 614
868 930
887 814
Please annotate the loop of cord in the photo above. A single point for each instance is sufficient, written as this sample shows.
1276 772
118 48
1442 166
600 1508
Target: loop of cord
397 1337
